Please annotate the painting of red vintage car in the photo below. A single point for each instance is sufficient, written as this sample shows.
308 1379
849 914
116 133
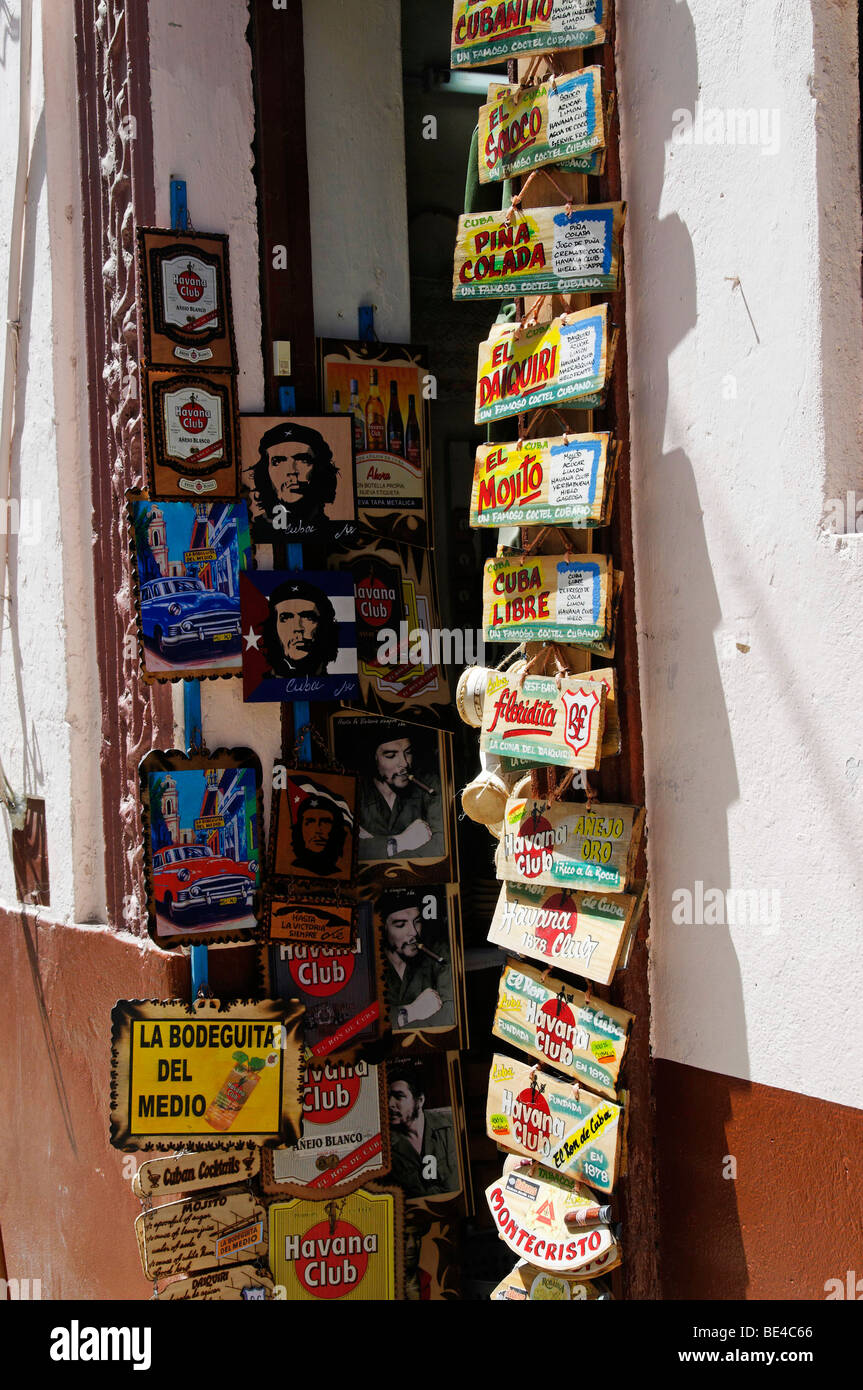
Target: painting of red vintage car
192 884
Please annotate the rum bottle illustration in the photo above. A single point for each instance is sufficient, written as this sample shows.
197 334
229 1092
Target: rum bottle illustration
395 428
234 1091
413 438
376 425
337 402
358 418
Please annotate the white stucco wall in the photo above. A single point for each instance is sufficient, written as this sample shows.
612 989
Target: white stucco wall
748 612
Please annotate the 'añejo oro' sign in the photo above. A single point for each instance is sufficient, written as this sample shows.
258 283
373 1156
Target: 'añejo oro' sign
561 122
539 251
568 843
586 934
548 598
485 33
520 368
562 481
538 721
557 1024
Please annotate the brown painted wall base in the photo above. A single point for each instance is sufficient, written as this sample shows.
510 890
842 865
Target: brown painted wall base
791 1220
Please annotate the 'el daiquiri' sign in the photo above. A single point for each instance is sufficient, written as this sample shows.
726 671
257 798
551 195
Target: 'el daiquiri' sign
523 367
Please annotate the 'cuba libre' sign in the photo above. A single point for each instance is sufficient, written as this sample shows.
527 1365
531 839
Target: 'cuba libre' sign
484 33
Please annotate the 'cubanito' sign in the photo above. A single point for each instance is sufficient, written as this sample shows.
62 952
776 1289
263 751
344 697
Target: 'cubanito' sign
547 598
558 122
561 481
569 843
537 722
522 368
484 33
584 934
539 251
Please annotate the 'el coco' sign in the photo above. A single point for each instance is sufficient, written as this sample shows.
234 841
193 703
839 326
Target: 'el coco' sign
188 1075
562 481
539 251
547 598
533 1113
536 721
568 359
554 123
484 33
581 933
567 843
556 1024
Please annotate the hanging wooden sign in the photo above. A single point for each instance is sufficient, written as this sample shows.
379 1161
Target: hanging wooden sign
184 1076
547 598
340 986
539 721
235 1283
385 390
584 934
185 299
192 1172
313 826
300 477
526 1283
564 481
203 840
420 934
484 33
532 251
299 636
225 1227
296 918
427 1129
561 121
350 1249
529 1213
571 1131
551 1021
567 843
345 1139
523 367
187 560
190 434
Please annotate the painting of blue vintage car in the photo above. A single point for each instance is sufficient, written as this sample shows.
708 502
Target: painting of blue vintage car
189 557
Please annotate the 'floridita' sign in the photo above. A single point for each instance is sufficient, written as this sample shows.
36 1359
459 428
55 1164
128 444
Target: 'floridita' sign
558 122
561 481
485 33
570 844
539 251
522 368
537 721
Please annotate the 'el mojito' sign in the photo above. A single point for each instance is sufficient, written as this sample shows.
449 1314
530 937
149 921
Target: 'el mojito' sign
521 368
539 251
564 481
559 122
484 33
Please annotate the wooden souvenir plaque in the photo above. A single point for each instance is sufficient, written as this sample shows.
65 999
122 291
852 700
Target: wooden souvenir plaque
299 473
568 1129
345 1141
299 636
195 1076
421 942
569 360
529 1215
568 844
538 721
317 923
576 932
548 598
313 827
485 34
554 1023
349 1249
534 251
225 1227
190 434
231 1284
545 482
526 1283
193 1172
563 121
185 299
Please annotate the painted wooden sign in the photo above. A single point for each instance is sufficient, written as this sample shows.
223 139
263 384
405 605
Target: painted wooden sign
299 473
539 251
420 934
571 1131
484 33
584 934
190 434
313 826
537 721
551 1021
348 1250
299 636
233 1284
525 1283
528 1213
547 598
225 1227
428 1162
185 299
294 918
561 122
569 359
545 482
345 1140
183 1076
567 844
193 1172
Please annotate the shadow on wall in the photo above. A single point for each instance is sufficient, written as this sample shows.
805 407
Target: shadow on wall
678 613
